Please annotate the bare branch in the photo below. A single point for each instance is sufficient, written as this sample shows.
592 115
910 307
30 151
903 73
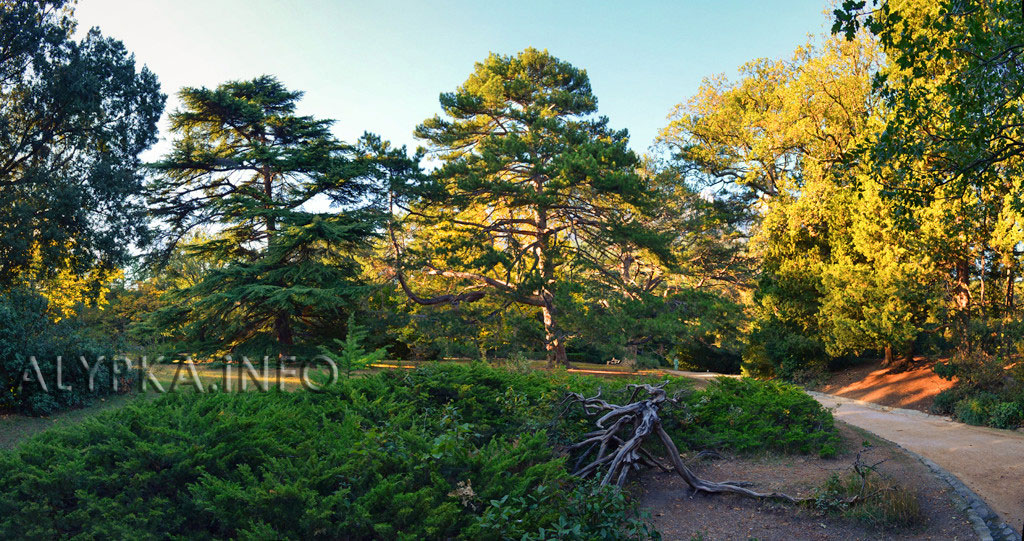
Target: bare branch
618 454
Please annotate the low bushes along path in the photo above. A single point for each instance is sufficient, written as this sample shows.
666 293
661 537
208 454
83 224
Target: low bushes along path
989 461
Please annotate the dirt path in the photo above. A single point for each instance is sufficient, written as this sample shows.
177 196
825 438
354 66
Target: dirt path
679 514
989 461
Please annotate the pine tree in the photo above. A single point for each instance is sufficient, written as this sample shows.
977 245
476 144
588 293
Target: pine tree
532 188
246 167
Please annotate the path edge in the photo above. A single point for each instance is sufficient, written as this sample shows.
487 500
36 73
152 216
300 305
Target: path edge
879 407
986 523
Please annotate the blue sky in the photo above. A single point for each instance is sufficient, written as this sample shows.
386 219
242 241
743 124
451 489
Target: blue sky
379 66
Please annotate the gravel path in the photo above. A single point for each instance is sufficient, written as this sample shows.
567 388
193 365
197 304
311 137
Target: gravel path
989 461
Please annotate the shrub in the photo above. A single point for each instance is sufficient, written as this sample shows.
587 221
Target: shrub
1007 415
27 334
591 512
393 456
977 409
352 356
976 370
775 350
989 389
444 451
945 402
748 415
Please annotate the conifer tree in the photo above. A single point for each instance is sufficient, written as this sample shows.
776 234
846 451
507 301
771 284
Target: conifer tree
532 189
247 167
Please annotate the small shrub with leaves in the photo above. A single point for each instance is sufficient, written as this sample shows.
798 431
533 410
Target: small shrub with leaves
977 409
588 512
989 389
31 342
1007 415
351 355
945 402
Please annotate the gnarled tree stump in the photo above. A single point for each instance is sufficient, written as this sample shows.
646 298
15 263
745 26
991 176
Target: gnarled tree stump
621 431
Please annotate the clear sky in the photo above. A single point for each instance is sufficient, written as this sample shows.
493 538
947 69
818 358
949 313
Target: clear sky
379 66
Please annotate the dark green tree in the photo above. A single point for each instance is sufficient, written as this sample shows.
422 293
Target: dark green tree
248 169
74 117
532 192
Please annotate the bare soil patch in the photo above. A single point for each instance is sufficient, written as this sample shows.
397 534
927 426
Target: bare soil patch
680 514
914 388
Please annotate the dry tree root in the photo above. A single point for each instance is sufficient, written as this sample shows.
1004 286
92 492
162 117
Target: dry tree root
620 434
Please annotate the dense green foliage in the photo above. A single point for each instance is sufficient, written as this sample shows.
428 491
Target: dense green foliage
948 156
749 415
281 275
31 344
953 90
881 172
74 117
986 392
837 204
443 451
349 353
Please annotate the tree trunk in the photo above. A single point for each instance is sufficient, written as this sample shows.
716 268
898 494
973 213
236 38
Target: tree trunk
962 301
283 332
961 290
908 354
981 292
1009 290
901 362
282 323
268 190
553 339
906 357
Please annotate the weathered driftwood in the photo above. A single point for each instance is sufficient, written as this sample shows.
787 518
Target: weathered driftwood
621 431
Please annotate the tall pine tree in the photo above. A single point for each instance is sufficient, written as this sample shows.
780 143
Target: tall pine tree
532 190
247 168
